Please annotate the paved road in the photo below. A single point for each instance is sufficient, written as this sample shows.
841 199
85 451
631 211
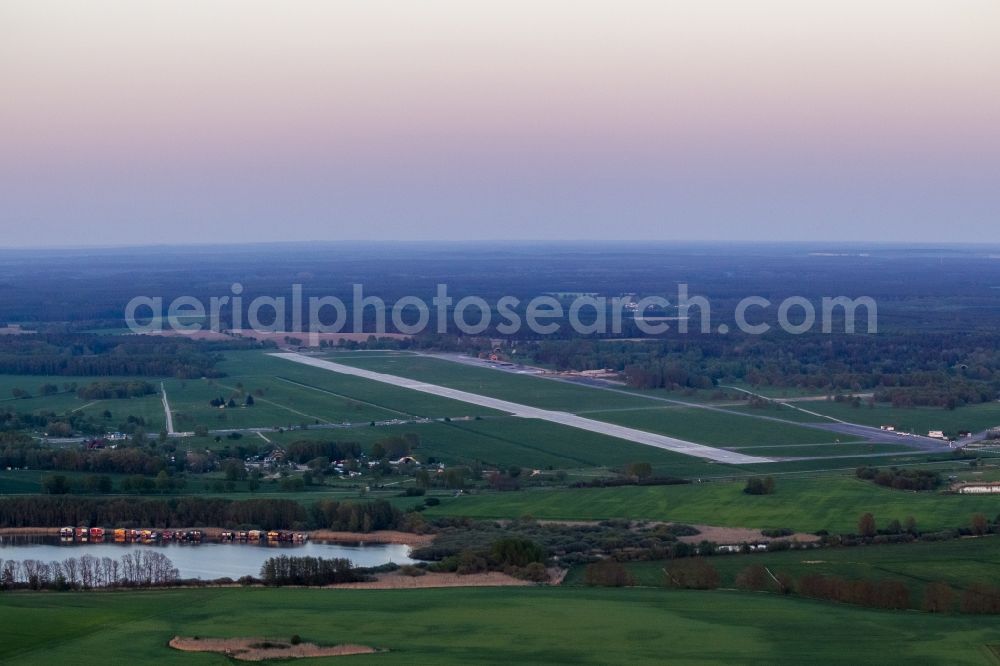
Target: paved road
526 411
166 410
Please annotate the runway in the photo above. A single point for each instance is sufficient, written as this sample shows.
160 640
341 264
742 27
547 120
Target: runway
527 411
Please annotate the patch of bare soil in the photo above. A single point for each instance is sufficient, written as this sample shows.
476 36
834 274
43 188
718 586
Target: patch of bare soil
260 649
556 575
307 338
203 334
735 535
398 581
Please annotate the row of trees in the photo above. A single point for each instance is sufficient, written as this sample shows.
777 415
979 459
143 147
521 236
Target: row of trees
355 516
698 574
946 370
139 568
303 451
889 594
80 354
978 525
175 512
285 570
901 479
115 390
937 597
123 460
59 484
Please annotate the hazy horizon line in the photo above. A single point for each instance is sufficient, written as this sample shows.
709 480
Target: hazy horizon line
502 242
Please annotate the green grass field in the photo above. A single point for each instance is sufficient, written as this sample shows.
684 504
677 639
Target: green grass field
920 420
509 441
278 404
832 449
499 626
959 563
628 409
147 407
530 439
524 389
257 369
780 412
805 504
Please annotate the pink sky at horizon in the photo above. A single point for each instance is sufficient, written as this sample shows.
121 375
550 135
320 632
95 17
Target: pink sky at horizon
651 116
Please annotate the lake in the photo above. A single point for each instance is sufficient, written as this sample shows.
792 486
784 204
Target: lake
207 560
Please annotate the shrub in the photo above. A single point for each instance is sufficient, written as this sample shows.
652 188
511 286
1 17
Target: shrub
680 529
517 552
412 571
759 486
694 574
754 577
607 573
938 598
535 572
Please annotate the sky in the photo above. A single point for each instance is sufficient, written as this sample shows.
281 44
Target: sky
205 121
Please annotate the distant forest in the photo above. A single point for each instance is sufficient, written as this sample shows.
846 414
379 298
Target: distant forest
75 354
938 308
906 369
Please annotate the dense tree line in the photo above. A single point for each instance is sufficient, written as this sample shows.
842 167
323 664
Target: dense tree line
887 594
285 570
25 453
901 479
981 598
303 451
950 394
140 568
907 368
109 390
64 425
57 510
71 354
354 516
